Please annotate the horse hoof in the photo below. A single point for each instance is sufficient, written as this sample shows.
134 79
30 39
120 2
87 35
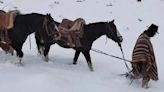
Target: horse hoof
46 59
19 64
74 63
92 70
145 87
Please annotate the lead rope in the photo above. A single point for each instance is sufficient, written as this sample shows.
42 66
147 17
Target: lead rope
30 41
122 53
124 57
101 52
127 74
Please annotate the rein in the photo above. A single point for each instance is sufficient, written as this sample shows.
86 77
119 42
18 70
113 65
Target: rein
46 28
51 33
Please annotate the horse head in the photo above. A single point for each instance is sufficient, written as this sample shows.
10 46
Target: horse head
113 33
50 26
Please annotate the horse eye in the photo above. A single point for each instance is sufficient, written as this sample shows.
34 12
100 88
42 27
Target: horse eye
51 24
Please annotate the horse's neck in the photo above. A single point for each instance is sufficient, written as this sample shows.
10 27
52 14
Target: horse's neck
31 21
93 34
31 18
57 23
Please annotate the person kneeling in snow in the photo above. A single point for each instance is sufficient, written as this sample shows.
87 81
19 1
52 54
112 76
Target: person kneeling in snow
143 58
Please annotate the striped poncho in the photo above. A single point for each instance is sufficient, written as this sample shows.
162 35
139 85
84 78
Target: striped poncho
143 58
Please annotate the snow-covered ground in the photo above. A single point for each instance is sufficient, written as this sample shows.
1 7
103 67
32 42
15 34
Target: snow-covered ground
59 75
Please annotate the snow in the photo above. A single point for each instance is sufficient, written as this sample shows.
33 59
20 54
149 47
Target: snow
59 75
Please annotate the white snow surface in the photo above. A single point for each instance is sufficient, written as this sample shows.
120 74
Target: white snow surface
59 74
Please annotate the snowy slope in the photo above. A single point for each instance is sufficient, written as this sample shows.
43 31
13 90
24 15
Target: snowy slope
59 75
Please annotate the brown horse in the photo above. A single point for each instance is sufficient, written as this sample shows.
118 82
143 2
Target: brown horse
91 32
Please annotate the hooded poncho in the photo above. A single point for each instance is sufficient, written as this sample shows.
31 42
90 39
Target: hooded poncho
143 58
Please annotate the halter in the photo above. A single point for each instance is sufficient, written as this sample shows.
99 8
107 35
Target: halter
46 27
108 27
52 33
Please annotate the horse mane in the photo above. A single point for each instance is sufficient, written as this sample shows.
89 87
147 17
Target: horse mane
57 23
1 11
37 14
96 23
91 26
15 11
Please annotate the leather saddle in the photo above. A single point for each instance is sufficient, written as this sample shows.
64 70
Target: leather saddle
72 31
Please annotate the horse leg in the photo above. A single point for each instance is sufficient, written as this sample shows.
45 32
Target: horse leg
88 59
39 44
40 48
19 55
43 48
77 53
46 51
19 52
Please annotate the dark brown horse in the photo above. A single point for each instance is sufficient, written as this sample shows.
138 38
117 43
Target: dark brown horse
91 32
26 24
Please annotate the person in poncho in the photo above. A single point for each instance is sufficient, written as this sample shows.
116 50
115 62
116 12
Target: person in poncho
143 58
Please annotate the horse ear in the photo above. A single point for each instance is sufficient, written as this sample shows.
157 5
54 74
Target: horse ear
113 21
48 14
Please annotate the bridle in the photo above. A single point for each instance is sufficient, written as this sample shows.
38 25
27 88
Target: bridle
54 32
45 25
108 27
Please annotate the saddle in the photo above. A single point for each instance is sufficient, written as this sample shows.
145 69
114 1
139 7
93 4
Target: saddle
5 42
69 25
71 31
66 24
6 22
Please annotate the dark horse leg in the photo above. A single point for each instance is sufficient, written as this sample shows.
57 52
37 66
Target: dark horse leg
46 50
18 48
88 59
40 44
17 40
77 53
43 48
